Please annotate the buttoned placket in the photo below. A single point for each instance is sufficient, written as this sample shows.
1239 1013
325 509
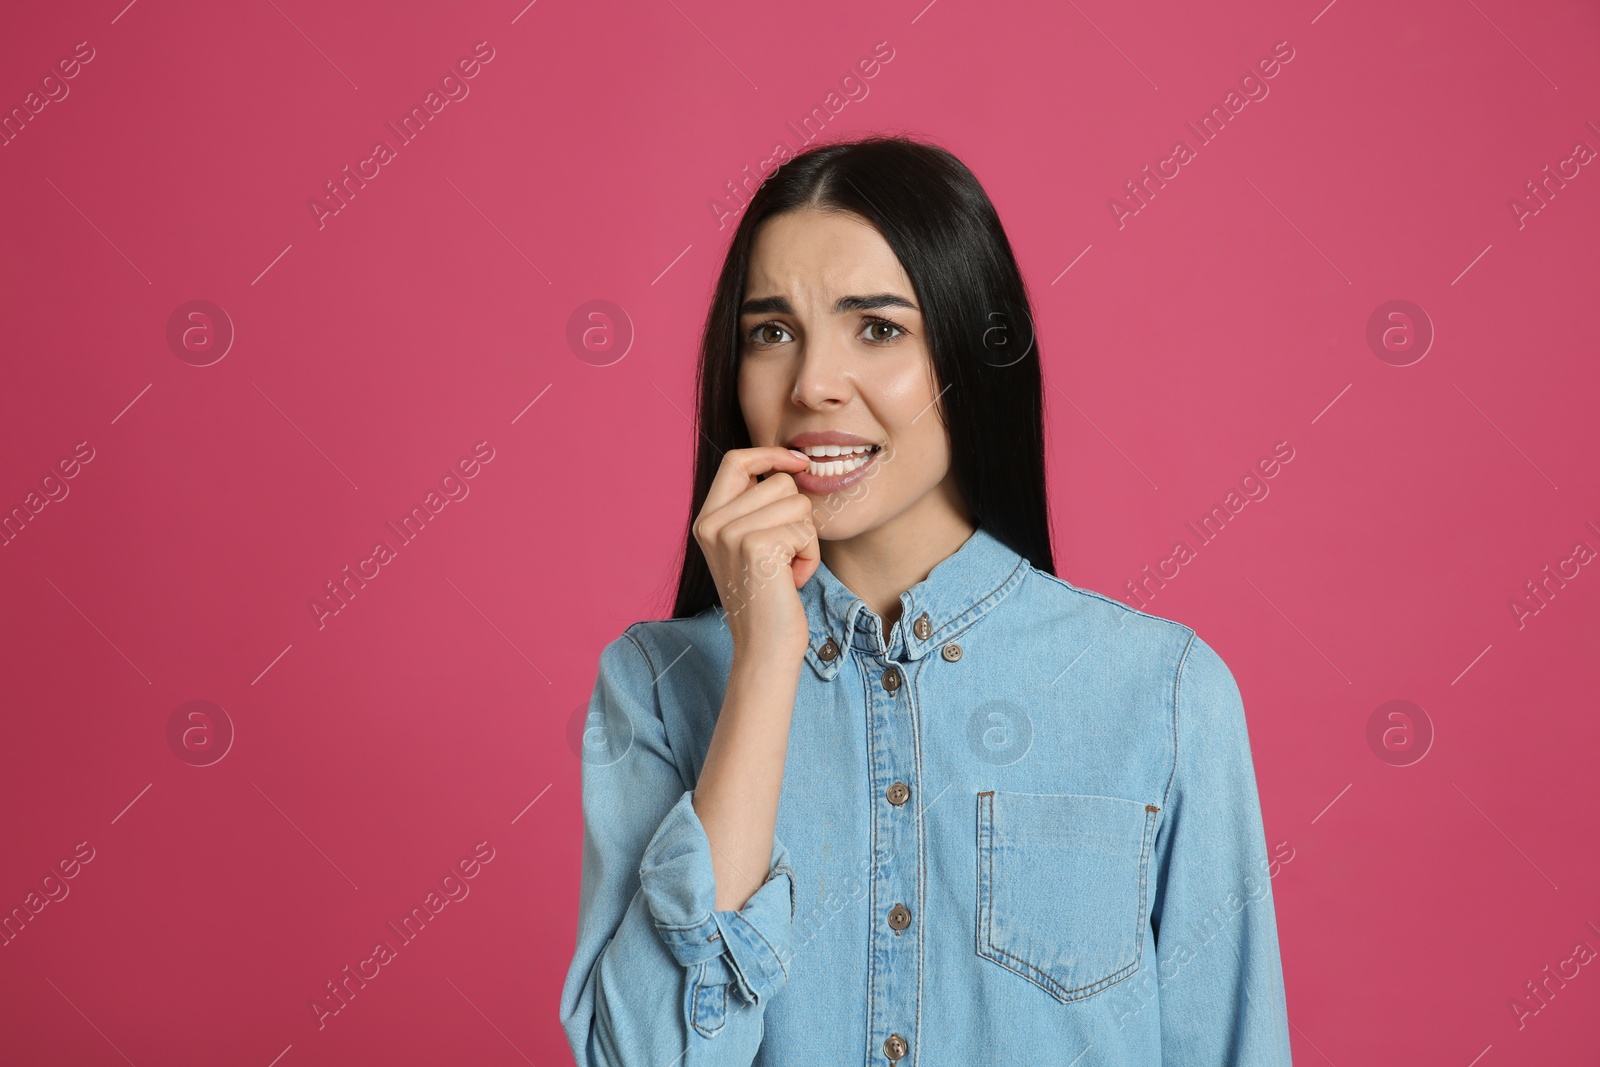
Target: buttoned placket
894 946
888 674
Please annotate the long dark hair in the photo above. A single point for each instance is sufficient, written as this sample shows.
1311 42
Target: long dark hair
975 309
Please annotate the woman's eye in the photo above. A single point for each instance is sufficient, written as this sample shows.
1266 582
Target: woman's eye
760 337
876 331
874 325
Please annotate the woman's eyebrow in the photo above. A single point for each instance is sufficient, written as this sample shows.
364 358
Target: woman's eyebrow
779 305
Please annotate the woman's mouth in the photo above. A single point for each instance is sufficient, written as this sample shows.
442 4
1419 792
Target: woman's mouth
834 467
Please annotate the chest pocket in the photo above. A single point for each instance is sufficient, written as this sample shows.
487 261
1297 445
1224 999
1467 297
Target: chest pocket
1062 887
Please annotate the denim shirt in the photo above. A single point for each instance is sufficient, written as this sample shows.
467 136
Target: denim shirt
1025 829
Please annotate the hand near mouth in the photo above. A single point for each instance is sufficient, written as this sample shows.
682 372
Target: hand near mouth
755 524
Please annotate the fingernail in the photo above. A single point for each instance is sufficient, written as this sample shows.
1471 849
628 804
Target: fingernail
802 455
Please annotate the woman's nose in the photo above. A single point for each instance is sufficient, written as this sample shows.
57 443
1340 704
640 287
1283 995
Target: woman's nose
820 377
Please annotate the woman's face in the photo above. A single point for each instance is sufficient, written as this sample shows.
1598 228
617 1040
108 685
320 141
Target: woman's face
833 351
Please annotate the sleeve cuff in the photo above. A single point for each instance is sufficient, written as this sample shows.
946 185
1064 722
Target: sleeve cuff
679 886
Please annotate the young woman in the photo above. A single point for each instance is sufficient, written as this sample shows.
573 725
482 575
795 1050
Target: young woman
885 790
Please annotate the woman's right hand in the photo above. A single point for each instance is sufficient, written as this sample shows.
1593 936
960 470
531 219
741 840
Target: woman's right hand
761 546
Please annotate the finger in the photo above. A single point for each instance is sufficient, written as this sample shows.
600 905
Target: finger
774 487
784 523
807 560
759 547
741 466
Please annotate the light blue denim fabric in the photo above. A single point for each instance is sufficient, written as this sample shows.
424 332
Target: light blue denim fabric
1081 852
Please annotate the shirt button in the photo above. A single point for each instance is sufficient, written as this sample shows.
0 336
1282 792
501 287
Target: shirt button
894 1047
828 651
952 652
922 627
891 679
898 793
899 916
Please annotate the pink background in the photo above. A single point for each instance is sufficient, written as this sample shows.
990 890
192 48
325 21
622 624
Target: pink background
375 750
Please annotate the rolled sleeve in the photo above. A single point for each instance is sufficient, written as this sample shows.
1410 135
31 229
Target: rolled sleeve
679 886
657 974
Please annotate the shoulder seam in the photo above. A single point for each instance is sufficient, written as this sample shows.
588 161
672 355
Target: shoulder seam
1177 690
1109 600
655 699
648 662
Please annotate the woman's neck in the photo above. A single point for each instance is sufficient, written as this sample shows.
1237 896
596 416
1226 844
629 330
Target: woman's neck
881 564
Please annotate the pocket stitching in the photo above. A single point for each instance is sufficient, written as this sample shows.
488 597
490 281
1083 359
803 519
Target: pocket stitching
989 950
719 1015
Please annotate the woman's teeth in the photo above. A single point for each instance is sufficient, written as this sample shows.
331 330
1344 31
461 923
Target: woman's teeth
823 467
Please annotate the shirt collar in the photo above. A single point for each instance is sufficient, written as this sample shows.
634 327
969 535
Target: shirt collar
958 591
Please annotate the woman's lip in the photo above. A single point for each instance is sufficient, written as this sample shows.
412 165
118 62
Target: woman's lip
819 485
825 437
